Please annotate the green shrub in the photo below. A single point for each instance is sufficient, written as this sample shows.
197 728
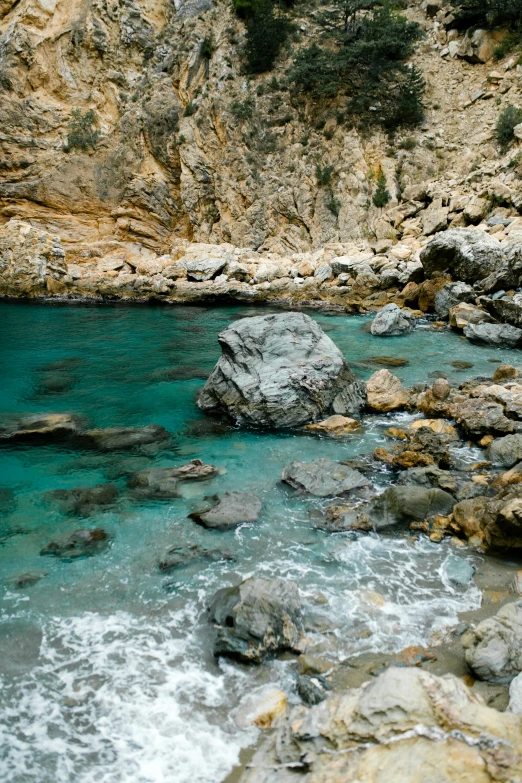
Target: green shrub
381 197
207 47
190 109
362 52
333 204
409 143
323 175
488 13
243 110
507 120
83 133
266 32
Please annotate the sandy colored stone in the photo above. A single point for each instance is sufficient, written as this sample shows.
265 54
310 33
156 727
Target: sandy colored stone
385 392
437 425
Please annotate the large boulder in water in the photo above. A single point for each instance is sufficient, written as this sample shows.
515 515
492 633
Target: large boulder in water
229 511
467 254
257 618
391 321
280 371
323 477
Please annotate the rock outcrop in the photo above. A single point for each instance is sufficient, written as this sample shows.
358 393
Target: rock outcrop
280 371
494 647
466 254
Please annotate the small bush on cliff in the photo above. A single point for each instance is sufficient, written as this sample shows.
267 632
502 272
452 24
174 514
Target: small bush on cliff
488 13
508 119
266 31
361 51
381 197
82 131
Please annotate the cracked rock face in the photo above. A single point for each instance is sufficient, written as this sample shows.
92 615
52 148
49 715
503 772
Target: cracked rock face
406 726
494 647
280 371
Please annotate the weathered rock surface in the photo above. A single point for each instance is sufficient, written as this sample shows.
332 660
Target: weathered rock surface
480 416
164 482
401 505
494 647
391 321
257 618
506 451
114 438
280 371
32 261
492 523
323 478
84 500
452 294
502 335
406 726
81 543
335 426
466 254
41 426
385 392
233 509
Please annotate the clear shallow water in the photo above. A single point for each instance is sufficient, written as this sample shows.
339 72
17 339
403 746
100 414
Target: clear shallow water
106 671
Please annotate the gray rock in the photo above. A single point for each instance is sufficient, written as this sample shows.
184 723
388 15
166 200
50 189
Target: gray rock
313 690
480 416
467 254
114 438
507 309
515 696
502 335
84 500
452 294
458 571
494 647
506 451
163 483
323 478
202 269
81 543
233 509
180 556
401 505
257 618
429 477
280 371
391 320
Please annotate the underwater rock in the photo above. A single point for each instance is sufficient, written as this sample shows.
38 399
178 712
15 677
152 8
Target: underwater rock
257 618
391 321
494 647
114 438
164 482
323 477
41 426
81 543
231 510
27 579
84 500
280 371
180 556
55 382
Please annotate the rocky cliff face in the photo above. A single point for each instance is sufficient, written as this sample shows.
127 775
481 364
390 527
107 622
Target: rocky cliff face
189 148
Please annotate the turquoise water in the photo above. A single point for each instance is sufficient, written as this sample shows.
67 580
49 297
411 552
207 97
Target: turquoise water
106 671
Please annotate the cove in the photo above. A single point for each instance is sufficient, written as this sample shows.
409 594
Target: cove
106 665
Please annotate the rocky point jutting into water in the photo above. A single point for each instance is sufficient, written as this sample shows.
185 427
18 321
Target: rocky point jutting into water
299 560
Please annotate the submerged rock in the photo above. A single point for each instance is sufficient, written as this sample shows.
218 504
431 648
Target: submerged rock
233 509
114 438
257 618
385 392
163 483
323 477
180 556
27 579
280 371
84 500
494 647
391 321
405 726
81 543
55 382
401 505
41 426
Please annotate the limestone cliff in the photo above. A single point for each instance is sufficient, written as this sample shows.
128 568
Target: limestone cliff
190 148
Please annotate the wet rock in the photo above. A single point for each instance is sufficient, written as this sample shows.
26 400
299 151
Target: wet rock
231 510
492 523
479 417
262 707
313 690
424 446
430 476
280 371
466 254
506 451
257 618
438 426
458 571
391 321
461 365
180 556
163 483
385 392
41 426
504 372
388 361
81 543
494 647
452 294
84 500
502 335
114 438
401 505
404 726
335 426
323 478
62 365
